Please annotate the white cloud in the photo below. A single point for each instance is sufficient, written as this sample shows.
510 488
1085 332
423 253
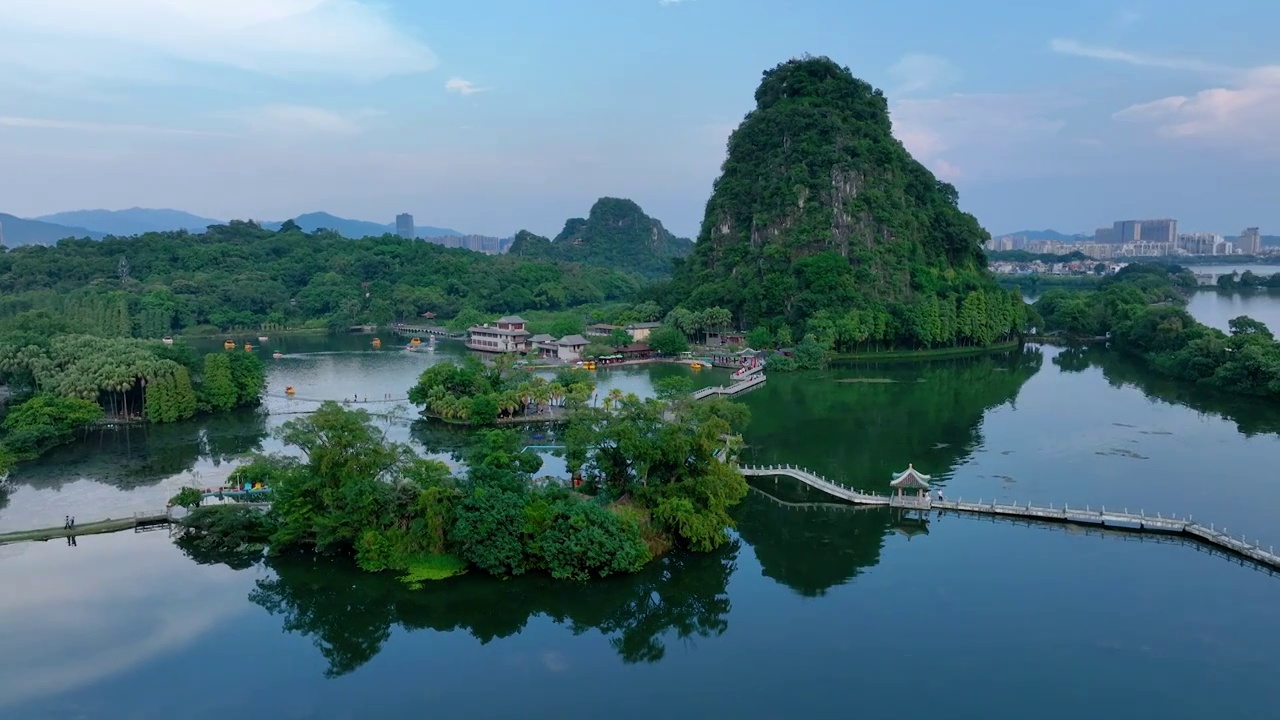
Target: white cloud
462 87
1066 46
975 135
921 72
141 39
295 120
1244 115
52 124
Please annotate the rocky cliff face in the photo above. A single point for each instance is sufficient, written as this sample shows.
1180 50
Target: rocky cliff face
616 233
818 207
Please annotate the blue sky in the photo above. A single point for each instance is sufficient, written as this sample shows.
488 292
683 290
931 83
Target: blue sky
494 115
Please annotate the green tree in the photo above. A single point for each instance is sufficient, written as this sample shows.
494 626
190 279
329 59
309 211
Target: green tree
217 386
668 341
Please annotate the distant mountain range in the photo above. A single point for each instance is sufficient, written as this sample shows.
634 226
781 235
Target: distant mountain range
133 221
313 221
97 224
1047 235
15 231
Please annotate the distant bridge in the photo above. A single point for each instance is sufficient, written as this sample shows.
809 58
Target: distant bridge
1137 522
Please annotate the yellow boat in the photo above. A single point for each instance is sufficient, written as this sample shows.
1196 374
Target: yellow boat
288 390
377 343
696 366
416 341
229 345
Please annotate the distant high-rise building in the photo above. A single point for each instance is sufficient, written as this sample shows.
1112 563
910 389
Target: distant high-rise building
1163 230
404 225
1250 241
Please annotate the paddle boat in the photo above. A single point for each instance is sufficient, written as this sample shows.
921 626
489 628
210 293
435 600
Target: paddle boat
277 355
229 345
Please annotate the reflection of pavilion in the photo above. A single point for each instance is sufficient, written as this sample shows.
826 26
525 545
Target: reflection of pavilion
910 479
910 524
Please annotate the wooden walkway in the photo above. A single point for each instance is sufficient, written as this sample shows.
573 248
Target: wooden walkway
731 389
1101 517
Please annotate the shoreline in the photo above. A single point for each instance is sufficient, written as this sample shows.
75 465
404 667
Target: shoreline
927 354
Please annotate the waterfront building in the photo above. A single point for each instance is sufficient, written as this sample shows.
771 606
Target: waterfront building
506 335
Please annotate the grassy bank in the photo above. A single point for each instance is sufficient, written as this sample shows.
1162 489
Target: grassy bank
926 354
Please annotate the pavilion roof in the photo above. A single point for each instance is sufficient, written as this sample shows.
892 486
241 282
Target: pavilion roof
910 478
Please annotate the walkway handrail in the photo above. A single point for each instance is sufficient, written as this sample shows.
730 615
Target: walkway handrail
1140 522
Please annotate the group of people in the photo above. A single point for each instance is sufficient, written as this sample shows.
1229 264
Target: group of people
69 523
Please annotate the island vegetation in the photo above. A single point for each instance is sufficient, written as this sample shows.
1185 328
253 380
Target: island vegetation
821 223
1141 309
650 476
61 385
1248 280
474 393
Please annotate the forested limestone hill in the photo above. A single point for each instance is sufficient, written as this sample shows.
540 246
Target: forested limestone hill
821 221
616 233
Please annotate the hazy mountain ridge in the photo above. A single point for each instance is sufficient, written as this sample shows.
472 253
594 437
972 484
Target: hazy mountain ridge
20 231
98 223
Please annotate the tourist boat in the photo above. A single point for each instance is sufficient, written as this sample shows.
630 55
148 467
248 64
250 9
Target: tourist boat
229 345
167 340
288 390
277 355
248 347
377 343
416 341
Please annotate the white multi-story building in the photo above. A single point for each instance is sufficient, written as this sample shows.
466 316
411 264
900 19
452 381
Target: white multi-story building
506 335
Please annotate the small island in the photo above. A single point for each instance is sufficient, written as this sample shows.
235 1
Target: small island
648 476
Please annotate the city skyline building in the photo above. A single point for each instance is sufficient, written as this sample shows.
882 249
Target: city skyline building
404 225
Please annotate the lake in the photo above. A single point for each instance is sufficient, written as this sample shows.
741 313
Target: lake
824 611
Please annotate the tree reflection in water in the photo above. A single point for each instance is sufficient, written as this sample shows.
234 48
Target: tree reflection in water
133 456
349 614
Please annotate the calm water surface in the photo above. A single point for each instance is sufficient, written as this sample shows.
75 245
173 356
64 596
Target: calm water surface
811 612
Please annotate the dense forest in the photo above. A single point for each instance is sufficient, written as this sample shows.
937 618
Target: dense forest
1142 310
822 222
615 234
243 276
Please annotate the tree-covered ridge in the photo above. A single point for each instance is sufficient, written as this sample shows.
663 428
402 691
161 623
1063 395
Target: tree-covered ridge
616 234
241 275
1141 310
820 212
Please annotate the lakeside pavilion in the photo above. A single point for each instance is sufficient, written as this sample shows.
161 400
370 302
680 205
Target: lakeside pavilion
911 479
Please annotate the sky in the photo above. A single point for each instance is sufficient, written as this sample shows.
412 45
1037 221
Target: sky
489 116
